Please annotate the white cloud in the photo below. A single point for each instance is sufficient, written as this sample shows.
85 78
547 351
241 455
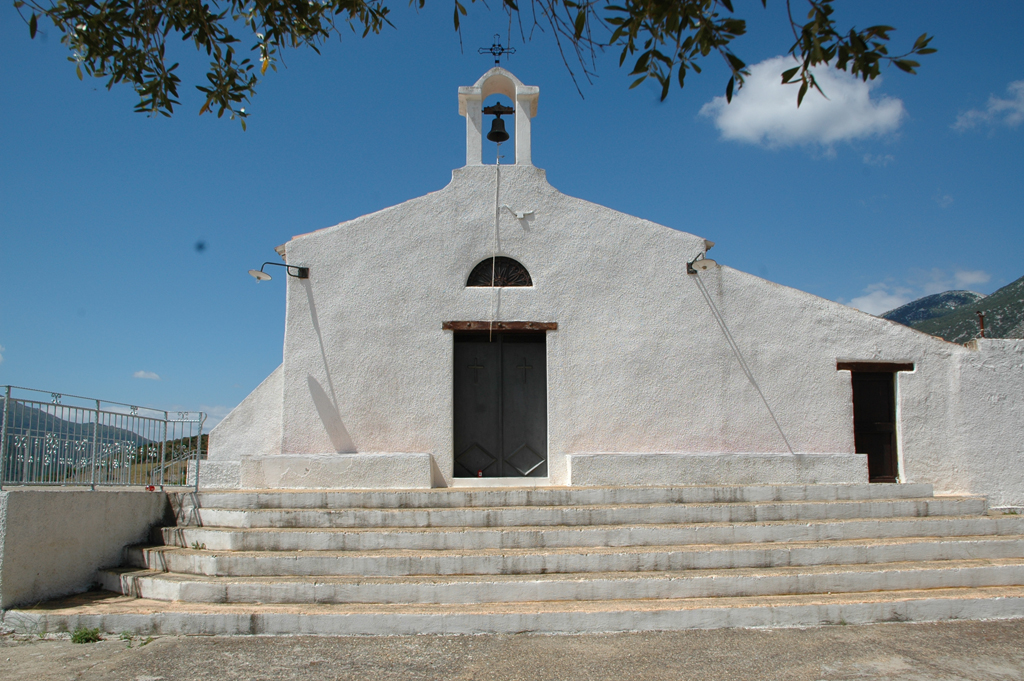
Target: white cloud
879 160
937 280
146 374
1007 111
885 296
880 299
944 200
929 282
2 351
764 111
965 278
214 415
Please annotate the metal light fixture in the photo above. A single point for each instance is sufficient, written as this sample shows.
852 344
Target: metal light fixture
299 273
498 133
700 264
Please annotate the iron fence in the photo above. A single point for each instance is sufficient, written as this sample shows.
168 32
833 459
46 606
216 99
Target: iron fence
49 438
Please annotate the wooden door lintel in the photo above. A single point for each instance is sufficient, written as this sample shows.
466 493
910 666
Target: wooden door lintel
499 326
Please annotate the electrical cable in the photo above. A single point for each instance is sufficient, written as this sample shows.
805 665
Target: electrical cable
494 242
739 356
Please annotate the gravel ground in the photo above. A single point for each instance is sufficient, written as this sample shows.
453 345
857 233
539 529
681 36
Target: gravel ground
908 651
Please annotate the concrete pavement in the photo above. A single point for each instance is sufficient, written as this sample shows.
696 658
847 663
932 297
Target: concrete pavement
978 651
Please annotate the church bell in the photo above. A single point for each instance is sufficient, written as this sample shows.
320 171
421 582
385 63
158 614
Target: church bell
498 133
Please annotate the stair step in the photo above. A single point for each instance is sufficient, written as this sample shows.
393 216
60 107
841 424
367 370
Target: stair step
397 562
568 587
592 515
149 617
463 538
559 560
556 496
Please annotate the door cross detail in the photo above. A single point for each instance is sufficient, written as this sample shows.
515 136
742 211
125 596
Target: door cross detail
524 366
476 371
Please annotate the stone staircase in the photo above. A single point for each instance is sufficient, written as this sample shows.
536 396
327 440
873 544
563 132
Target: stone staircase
565 560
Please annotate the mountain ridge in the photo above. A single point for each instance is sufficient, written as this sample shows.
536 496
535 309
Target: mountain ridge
1003 311
929 307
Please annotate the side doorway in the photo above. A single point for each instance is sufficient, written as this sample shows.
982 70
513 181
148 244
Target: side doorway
874 416
500 405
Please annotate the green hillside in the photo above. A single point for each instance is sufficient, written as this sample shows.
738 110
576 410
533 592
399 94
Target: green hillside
935 305
1004 317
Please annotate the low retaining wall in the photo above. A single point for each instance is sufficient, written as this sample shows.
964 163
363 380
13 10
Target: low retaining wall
716 469
52 541
363 470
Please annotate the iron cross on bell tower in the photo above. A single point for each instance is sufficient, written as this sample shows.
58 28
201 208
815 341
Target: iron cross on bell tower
497 50
497 133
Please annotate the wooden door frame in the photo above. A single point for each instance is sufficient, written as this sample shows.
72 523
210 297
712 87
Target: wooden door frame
506 328
499 327
893 368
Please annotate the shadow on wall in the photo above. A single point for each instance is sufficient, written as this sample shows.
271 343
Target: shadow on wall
326 405
330 417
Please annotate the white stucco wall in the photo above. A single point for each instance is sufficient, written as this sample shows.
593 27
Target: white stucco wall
638 363
52 542
253 428
985 454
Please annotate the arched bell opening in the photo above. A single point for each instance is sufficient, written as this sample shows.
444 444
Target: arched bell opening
499 127
522 98
500 271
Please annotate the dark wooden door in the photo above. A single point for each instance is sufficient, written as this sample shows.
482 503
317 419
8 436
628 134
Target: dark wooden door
500 405
874 422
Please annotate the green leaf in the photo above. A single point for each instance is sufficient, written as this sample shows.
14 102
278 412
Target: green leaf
581 23
78 70
788 74
728 89
458 8
800 96
32 25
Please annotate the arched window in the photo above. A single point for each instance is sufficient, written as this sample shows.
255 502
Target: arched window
506 272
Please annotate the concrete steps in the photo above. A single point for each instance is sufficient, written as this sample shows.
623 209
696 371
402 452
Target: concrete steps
552 496
722 583
461 538
581 515
149 617
562 560
400 562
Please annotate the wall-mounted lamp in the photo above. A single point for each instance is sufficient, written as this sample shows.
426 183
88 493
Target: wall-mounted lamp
497 133
520 214
299 273
700 264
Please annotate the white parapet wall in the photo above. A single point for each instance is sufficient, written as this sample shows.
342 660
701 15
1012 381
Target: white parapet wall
53 541
253 428
362 470
727 468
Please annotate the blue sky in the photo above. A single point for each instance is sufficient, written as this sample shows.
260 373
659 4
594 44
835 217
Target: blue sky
873 198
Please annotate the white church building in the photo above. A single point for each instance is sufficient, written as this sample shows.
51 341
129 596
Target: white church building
498 332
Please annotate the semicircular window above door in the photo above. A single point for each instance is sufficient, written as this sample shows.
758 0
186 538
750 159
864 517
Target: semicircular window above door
502 271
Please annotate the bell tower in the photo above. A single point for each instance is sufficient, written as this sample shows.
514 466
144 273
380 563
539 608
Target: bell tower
498 81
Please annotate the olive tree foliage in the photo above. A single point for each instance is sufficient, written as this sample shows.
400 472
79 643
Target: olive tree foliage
125 41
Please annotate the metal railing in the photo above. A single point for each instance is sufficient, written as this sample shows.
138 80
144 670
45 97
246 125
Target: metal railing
49 438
